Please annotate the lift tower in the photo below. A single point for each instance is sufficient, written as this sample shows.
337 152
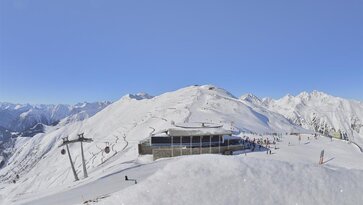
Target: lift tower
80 139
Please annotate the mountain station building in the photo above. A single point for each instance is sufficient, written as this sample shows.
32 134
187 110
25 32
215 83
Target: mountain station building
178 141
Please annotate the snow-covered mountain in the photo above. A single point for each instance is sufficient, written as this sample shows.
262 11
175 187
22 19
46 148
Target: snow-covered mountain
319 112
251 99
134 118
25 120
43 170
139 96
20 117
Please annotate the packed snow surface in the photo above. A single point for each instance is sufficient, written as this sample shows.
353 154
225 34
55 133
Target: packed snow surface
215 179
290 175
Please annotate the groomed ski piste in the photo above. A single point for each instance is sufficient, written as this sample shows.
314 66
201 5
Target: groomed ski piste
289 175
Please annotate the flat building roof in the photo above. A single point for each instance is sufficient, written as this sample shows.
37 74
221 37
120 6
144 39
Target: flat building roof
183 132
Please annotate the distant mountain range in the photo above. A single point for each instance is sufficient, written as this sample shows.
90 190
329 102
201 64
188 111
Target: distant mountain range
25 120
20 117
319 112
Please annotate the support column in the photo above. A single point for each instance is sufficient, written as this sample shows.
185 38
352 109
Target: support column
72 166
200 144
219 144
83 162
191 141
210 144
172 146
181 146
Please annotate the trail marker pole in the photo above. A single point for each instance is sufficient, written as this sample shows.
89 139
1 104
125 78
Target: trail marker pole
321 157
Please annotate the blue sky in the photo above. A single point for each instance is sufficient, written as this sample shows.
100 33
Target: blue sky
73 51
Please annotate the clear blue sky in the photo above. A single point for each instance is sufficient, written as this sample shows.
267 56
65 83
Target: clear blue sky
68 51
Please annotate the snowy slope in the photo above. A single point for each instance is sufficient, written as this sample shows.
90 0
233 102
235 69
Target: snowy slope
41 166
289 176
213 179
46 178
29 120
322 113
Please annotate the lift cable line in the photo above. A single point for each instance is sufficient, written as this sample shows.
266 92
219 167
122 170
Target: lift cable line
80 139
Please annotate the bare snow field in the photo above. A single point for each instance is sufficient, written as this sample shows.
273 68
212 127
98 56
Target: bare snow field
209 179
